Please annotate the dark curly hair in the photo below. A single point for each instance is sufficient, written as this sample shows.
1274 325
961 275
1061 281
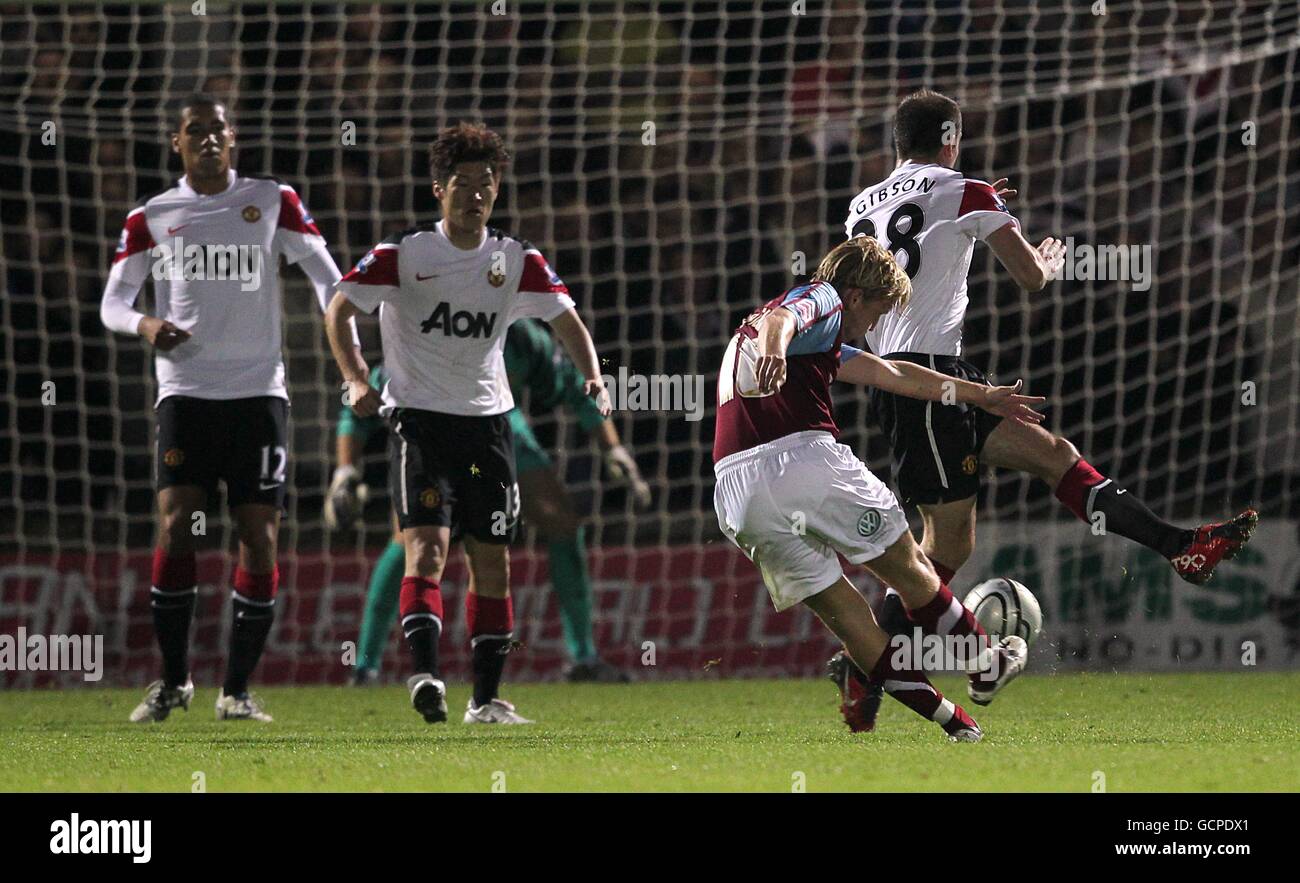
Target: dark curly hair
465 142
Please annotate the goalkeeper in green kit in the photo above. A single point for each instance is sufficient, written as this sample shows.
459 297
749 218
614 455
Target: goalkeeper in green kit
534 363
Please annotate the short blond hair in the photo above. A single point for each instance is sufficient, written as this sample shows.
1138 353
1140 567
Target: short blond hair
862 262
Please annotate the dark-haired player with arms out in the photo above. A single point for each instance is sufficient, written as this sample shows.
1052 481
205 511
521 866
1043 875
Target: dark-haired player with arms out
930 217
791 497
446 294
222 405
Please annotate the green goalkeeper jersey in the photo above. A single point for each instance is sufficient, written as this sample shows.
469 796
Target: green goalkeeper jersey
533 363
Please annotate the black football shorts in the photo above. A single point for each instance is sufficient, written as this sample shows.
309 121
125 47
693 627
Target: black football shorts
449 470
936 447
243 442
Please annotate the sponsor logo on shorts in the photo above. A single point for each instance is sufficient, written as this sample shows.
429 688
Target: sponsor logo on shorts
870 523
969 464
430 498
252 214
173 457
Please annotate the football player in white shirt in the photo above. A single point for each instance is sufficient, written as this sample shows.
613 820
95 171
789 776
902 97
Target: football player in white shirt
212 244
930 217
446 294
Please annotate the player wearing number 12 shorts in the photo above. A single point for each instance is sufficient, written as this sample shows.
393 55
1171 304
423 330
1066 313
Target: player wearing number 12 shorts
791 497
212 244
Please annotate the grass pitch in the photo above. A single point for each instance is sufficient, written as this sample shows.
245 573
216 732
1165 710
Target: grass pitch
1180 732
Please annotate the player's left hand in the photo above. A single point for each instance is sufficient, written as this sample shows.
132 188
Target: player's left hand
1006 401
622 466
769 373
596 390
1002 190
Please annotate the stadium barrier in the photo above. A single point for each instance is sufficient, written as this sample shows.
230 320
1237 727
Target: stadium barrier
694 611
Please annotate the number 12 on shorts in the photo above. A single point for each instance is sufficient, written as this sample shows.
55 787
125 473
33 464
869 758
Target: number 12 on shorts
274 460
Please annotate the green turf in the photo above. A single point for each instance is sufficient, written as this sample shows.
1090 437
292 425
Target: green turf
1049 733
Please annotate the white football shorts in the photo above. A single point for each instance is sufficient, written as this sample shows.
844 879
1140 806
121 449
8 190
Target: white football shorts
791 504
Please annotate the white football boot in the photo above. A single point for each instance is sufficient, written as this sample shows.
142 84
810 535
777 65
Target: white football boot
159 701
240 708
498 711
1011 655
429 697
966 734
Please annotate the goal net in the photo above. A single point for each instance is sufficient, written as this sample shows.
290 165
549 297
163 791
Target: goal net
677 163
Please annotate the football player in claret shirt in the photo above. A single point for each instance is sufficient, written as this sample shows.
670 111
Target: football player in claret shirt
791 497
212 243
930 216
446 294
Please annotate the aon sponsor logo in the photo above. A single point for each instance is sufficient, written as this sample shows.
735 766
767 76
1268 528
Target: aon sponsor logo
461 323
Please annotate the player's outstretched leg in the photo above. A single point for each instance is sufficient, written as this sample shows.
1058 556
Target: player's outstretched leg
848 615
383 597
171 602
489 619
1194 553
991 666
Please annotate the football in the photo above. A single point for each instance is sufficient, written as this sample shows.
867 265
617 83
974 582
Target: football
1005 607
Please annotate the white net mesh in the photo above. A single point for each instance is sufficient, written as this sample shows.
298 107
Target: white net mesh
671 160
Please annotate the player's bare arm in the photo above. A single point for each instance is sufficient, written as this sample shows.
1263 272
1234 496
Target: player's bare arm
577 342
775 331
1032 268
339 328
919 382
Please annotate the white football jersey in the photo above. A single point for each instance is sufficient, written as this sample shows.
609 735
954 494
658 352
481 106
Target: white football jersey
929 216
215 262
444 312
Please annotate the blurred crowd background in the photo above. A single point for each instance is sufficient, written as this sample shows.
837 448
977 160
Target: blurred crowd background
673 161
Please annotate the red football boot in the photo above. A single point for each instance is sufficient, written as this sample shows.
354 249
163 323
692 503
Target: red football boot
859 697
1213 543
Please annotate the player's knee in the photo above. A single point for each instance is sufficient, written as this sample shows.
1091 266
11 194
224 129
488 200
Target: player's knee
491 569
428 558
174 529
259 541
1063 456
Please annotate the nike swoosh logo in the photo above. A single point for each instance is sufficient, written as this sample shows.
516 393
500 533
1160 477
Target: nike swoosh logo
419 278
1118 492
171 230
266 487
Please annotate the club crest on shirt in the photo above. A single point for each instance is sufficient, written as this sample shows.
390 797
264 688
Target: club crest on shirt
496 278
870 522
251 213
430 498
969 464
173 457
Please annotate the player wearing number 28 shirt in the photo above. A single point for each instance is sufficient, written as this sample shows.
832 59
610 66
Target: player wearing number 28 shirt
930 216
446 295
791 497
212 245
